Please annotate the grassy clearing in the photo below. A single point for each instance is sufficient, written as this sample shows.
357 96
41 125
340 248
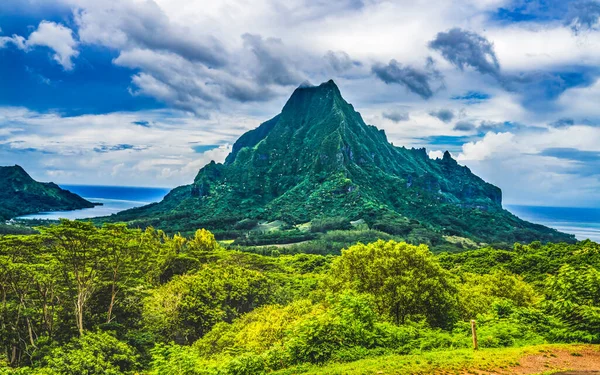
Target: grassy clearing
461 361
269 226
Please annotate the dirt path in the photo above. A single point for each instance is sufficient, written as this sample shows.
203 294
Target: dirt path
578 360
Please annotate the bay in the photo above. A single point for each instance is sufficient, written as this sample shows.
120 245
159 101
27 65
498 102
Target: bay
113 198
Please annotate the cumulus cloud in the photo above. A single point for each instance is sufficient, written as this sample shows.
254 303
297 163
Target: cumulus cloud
58 38
444 115
52 35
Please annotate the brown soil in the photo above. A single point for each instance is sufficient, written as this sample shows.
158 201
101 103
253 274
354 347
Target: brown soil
579 360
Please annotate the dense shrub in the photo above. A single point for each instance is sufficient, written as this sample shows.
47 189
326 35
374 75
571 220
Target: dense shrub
187 307
406 281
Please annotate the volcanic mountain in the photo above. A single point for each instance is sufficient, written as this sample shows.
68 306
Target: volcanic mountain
21 195
318 159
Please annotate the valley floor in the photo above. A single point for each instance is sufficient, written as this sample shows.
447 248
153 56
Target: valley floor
539 359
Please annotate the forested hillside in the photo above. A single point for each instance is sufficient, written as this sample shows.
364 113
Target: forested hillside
21 195
78 299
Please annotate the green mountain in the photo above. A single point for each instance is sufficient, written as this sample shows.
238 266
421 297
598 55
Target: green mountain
318 159
21 195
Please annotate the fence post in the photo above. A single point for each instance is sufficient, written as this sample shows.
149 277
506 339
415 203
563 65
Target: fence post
474 332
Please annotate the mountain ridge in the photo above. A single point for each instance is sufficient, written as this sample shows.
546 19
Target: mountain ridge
21 195
318 158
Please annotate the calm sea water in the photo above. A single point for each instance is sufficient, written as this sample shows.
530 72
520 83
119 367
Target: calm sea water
584 223
114 198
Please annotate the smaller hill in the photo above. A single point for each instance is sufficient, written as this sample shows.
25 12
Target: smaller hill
21 195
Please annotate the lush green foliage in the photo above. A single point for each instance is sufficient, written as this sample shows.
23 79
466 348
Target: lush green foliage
20 195
113 300
406 281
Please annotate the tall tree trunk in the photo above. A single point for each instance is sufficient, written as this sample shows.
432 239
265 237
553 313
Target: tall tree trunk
79 312
113 296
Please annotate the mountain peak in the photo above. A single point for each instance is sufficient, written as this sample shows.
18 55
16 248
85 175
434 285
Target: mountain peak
311 99
318 158
14 171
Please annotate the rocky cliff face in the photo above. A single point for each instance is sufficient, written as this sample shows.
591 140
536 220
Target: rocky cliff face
21 195
318 158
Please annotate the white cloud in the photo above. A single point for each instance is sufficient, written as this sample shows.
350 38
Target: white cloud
58 38
48 34
436 154
491 145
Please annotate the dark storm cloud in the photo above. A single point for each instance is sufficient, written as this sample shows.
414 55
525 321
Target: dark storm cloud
396 116
416 80
464 126
467 49
444 115
272 68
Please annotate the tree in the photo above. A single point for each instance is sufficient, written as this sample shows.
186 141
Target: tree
125 254
406 281
77 247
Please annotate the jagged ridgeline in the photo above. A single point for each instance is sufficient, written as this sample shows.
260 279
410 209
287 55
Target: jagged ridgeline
318 159
20 195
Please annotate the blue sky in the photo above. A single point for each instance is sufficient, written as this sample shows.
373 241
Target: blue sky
145 92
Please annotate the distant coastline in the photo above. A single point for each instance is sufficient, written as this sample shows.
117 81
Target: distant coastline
584 223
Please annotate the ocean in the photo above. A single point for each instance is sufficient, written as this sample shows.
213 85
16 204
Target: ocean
113 198
582 222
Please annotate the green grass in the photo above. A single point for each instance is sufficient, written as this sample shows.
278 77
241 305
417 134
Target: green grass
269 227
451 361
